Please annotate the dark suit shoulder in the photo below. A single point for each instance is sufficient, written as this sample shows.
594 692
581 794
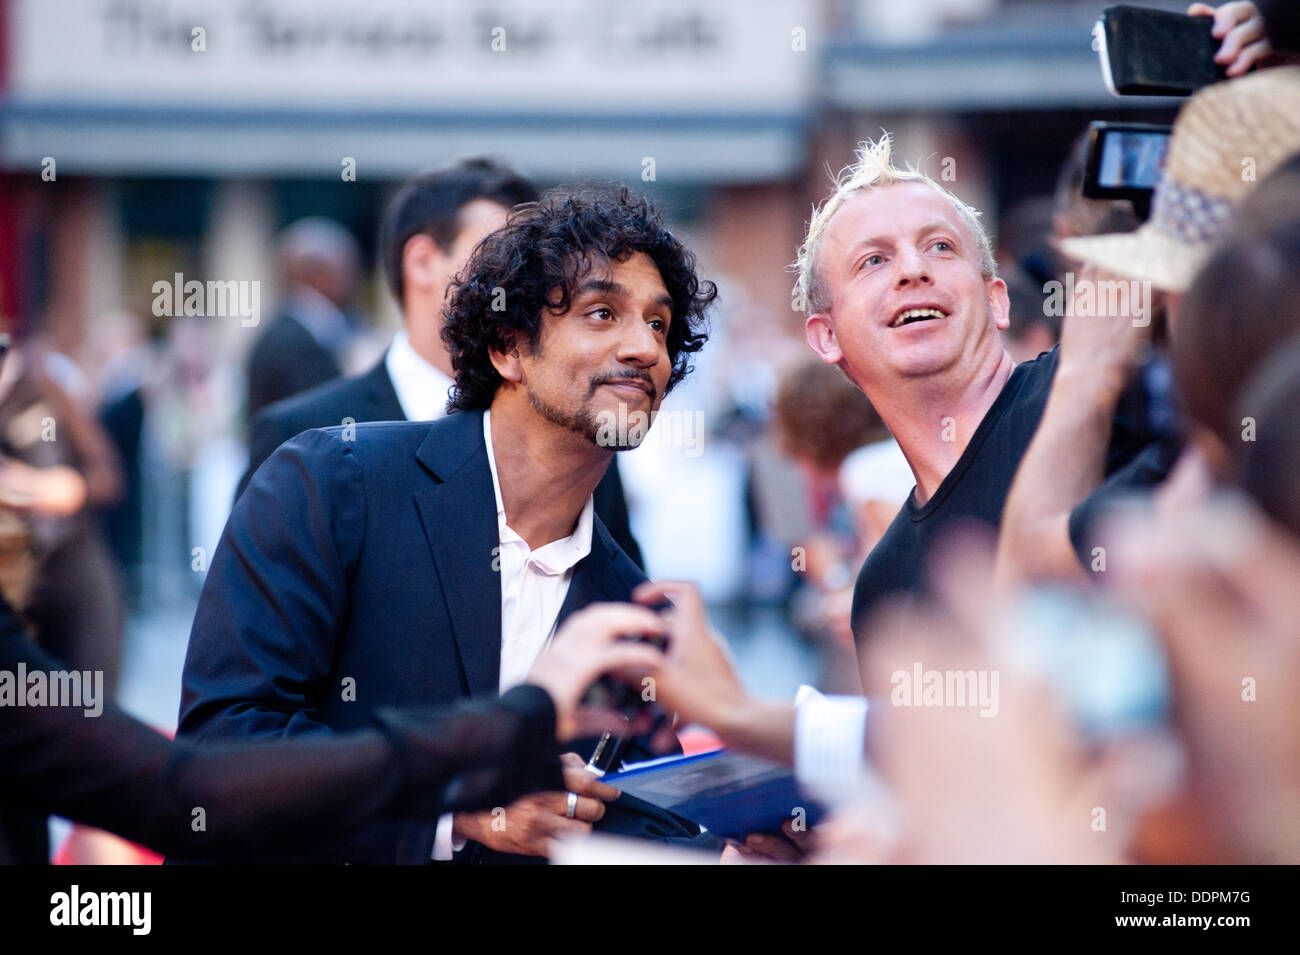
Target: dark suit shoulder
368 397
376 441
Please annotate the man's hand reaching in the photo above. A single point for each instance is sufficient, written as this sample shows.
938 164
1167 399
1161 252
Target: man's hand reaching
527 824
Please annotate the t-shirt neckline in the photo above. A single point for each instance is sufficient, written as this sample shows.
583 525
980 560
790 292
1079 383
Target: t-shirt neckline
987 423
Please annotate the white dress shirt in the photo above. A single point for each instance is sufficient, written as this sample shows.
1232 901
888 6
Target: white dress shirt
421 388
534 584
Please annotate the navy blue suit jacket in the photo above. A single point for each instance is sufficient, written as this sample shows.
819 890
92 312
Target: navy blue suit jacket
357 571
371 397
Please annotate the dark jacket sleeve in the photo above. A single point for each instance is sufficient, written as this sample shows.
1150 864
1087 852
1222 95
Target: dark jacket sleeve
273 610
247 801
276 596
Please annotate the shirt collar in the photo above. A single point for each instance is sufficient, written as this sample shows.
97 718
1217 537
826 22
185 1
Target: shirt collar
557 557
421 388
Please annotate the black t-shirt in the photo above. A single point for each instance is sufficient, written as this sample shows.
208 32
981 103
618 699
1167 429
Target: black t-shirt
976 488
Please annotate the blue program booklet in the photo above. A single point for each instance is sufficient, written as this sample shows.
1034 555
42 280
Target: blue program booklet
727 793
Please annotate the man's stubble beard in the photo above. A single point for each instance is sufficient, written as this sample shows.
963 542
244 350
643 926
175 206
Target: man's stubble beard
582 423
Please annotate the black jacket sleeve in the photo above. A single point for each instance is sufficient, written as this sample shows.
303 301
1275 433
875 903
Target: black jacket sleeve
268 622
251 800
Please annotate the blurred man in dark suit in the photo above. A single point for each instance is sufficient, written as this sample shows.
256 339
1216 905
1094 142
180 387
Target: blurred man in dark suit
304 344
429 230
393 563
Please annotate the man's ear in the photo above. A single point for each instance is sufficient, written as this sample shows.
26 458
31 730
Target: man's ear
821 338
999 303
507 363
421 261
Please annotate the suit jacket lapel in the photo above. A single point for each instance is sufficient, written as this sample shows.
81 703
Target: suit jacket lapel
459 517
594 577
382 395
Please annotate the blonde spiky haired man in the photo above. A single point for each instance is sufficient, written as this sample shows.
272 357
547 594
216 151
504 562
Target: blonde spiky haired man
897 278
874 168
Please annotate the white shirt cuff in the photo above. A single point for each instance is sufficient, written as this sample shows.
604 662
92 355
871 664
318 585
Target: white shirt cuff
830 735
444 847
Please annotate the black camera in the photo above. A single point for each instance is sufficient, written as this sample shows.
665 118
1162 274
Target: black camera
609 693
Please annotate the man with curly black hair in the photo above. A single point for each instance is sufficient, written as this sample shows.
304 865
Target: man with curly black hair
555 255
380 563
429 230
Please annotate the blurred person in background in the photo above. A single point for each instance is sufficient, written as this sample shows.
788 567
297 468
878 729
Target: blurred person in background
1242 308
1217 579
428 231
1030 258
1275 201
430 228
121 361
304 345
1069 473
1032 329
1216 572
823 422
1074 214
57 469
1265 468
1024 239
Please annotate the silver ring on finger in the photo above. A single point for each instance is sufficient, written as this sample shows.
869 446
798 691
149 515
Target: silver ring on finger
572 809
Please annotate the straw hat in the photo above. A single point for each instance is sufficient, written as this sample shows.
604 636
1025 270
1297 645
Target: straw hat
1255 117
